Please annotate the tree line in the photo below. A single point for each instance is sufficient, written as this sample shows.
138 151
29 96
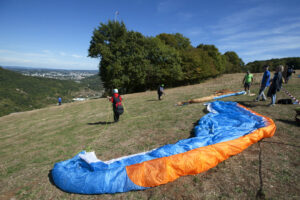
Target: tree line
257 66
133 62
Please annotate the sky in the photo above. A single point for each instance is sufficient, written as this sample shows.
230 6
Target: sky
57 33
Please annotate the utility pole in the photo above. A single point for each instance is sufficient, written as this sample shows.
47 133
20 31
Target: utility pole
116 14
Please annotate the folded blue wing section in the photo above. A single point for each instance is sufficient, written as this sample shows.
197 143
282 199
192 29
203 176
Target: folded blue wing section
225 122
229 95
77 176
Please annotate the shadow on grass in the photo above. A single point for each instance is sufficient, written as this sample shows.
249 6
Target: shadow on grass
51 178
260 193
249 104
152 100
291 122
205 110
52 181
192 132
100 123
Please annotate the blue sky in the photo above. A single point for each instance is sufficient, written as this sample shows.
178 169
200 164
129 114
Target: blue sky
57 33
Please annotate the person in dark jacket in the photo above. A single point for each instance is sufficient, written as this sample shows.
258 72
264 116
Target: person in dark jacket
116 100
265 82
289 73
275 85
160 91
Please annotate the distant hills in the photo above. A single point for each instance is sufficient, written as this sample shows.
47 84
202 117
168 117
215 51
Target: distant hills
21 68
21 93
93 83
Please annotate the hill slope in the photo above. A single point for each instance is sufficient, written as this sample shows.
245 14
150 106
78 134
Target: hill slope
21 93
31 142
93 83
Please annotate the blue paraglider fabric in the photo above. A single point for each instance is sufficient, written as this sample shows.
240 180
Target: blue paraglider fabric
225 122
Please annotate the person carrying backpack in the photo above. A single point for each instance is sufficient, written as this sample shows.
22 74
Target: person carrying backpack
116 100
160 91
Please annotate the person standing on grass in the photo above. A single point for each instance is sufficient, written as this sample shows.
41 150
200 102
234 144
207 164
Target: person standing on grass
265 82
275 85
160 91
116 100
247 81
289 72
59 101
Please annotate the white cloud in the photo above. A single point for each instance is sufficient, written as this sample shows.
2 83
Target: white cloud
6 51
184 16
46 51
286 28
243 20
49 60
16 61
196 31
62 53
257 33
168 6
76 56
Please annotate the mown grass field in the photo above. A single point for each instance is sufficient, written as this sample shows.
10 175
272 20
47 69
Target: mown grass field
32 142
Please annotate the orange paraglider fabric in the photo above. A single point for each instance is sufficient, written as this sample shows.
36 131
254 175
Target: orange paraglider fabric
166 169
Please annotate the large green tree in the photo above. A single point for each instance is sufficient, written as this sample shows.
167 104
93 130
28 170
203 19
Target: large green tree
219 59
165 64
108 43
132 62
234 63
177 41
197 66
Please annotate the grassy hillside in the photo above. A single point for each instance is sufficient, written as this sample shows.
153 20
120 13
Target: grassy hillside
21 93
32 142
93 83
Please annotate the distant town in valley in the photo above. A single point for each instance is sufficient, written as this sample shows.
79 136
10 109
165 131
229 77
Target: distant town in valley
61 74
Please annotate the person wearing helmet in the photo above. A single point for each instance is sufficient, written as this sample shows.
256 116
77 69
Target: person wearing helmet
116 100
160 91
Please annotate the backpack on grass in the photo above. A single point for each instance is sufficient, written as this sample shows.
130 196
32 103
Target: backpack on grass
285 101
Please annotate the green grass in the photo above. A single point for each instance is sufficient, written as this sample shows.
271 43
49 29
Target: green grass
22 93
32 142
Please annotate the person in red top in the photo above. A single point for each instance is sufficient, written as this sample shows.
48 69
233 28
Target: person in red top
116 100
